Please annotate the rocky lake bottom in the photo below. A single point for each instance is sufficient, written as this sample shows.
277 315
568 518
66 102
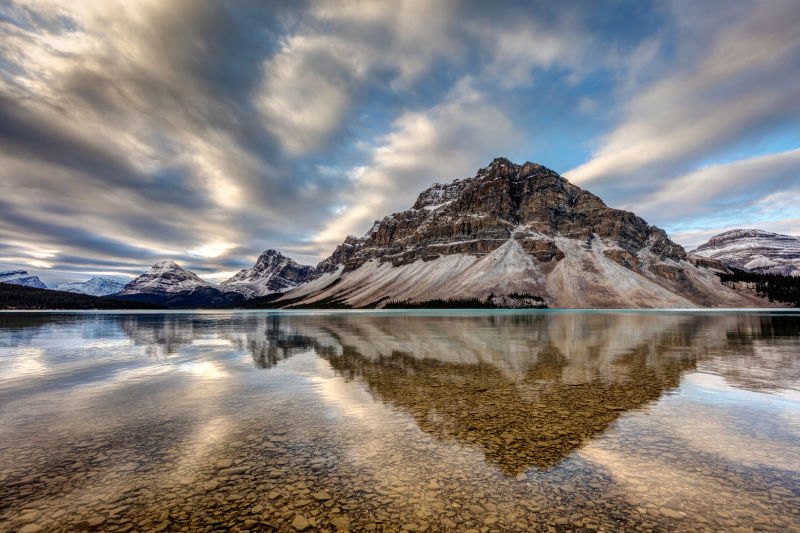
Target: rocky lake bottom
400 421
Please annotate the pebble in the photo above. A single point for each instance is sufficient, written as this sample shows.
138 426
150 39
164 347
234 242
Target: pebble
26 518
300 522
671 513
95 521
236 470
341 523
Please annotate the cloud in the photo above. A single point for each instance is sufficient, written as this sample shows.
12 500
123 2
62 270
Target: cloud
208 132
133 123
311 84
530 44
716 188
760 192
693 238
448 141
343 47
732 80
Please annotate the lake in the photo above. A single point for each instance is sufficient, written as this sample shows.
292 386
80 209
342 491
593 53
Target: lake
403 420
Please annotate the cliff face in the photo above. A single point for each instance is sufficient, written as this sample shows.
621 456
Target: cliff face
515 228
476 216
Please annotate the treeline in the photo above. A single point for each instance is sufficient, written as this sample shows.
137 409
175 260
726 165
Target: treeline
473 303
775 287
492 302
28 298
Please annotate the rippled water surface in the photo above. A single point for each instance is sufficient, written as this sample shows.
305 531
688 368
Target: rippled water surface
389 421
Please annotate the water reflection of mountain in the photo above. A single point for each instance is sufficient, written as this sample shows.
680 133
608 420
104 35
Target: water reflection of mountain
268 339
161 335
527 389
20 328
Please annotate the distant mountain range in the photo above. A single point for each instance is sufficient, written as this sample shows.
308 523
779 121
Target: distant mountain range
13 296
169 284
511 236
93 287
754 251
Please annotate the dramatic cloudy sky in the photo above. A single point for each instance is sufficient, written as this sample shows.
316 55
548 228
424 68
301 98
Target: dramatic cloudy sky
206 132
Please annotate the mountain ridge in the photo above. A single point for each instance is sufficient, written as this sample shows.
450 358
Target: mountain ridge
93 286
754 250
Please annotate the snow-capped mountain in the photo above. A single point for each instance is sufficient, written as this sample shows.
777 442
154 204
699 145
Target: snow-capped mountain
754 250
21 277
165 277
515 229
273 272
93 287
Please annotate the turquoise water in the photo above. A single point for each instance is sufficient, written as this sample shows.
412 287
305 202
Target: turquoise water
415 420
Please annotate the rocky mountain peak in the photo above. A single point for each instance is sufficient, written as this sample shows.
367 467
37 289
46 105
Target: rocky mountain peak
166 264
529 203
164 277
272 272
269 258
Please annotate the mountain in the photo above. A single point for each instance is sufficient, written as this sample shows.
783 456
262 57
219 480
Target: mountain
165 277
515 229
273 272
93 287
21 277
755 251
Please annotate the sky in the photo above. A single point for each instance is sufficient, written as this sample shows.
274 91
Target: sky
206 132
